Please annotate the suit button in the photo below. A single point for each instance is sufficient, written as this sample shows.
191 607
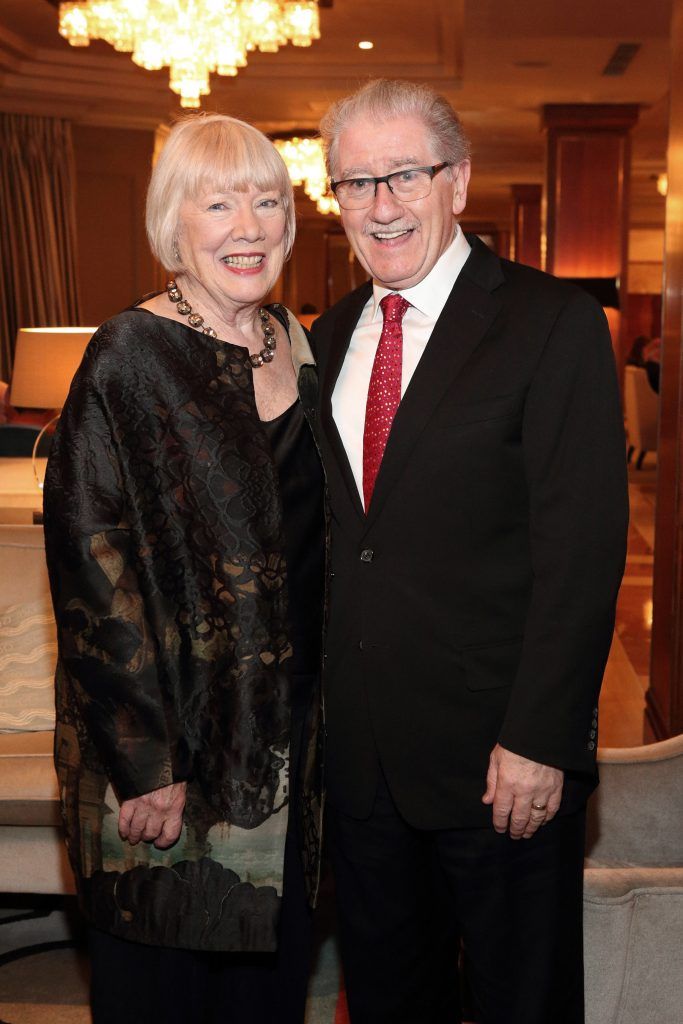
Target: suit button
591 745
592 734
594 723
367 555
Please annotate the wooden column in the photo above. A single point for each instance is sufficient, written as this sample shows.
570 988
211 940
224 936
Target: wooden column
664 701
585 232
526 224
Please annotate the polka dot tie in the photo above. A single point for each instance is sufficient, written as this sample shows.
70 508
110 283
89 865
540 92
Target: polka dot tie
384 392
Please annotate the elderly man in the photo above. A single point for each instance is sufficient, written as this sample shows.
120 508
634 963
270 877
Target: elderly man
472 435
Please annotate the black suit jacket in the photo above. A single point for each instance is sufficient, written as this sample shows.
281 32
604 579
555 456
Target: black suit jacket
474 604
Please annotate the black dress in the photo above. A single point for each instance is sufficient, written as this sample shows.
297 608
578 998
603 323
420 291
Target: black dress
258 988
166 551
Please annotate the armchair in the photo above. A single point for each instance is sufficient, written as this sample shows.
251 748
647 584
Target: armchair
641 407
633 887
32 853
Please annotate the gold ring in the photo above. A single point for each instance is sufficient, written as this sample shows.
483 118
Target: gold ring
539 807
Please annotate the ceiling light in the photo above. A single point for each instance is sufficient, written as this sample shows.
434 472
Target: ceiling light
365 44
306 165
191 37
662 184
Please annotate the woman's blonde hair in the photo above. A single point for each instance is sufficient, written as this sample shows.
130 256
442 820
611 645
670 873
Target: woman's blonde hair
211 152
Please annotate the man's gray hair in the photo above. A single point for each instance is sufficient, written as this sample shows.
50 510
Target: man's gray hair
382 99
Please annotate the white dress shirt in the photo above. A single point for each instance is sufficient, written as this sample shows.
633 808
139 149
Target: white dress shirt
427 299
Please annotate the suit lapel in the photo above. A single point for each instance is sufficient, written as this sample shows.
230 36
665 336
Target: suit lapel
338 348
469 312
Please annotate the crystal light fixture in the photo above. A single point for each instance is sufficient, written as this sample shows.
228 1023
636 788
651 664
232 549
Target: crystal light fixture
191 37
306 165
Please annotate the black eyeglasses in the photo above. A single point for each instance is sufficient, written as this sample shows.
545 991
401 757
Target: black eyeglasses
407 185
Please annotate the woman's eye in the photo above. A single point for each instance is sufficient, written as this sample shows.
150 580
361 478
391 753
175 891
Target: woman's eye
270 204
217 206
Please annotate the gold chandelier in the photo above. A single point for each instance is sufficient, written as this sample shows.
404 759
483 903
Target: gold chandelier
306 165
191 37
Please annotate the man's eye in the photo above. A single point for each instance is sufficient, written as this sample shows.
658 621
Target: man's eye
407 176
358 184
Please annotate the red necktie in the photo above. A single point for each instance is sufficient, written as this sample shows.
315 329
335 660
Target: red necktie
384 392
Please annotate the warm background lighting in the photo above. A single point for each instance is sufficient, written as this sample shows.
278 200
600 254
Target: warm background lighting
306 165
191 37
365 44
45 361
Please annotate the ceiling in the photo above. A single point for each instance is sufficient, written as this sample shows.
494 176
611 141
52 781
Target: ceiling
498 61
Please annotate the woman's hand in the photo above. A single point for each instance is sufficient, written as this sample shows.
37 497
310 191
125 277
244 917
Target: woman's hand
156 816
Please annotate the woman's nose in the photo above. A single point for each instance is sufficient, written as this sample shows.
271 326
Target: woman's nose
247 224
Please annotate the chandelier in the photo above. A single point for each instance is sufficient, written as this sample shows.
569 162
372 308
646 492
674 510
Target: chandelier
191 37
306 165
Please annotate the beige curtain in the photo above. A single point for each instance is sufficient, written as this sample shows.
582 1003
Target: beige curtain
38 286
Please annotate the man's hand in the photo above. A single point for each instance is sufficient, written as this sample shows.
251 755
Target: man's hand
156 816
524 793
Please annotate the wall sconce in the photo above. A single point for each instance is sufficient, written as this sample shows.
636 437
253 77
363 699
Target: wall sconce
45 360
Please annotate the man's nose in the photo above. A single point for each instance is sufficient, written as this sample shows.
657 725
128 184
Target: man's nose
385 205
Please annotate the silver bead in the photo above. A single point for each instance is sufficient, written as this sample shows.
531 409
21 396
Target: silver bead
210 332
195 320
256 360
264 314
268 330
184 307
271 343
267 355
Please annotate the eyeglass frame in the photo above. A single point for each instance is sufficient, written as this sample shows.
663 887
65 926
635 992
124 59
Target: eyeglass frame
384 178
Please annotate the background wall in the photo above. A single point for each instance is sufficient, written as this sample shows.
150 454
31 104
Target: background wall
115 265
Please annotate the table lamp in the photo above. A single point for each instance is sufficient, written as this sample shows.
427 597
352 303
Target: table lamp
45 360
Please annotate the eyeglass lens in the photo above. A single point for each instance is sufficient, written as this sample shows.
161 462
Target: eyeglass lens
409 185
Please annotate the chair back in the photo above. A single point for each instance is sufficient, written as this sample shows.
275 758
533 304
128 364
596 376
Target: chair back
23 572
641 406
17 439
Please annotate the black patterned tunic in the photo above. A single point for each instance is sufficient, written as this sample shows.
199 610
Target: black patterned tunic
165 548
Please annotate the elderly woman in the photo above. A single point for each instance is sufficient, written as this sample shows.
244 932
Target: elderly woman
184 532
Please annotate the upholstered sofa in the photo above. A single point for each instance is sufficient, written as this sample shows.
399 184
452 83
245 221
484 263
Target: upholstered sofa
633 887
32 854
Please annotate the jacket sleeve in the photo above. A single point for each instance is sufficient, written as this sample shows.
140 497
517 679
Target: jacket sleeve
107 678
574 459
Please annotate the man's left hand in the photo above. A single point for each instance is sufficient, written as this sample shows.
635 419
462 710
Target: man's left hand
524 793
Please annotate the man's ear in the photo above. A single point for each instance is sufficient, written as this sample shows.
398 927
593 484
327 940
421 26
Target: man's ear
461 178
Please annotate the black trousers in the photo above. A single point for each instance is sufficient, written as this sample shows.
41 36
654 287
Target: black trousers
405 896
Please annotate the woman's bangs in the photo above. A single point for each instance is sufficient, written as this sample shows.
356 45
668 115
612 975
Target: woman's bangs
229 160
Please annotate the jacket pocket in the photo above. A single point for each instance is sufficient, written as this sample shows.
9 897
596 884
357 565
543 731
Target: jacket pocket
456 414
491 666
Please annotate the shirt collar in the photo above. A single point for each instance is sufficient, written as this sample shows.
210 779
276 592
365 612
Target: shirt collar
429 295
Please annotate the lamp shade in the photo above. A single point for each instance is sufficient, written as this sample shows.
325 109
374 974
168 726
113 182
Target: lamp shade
45 361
